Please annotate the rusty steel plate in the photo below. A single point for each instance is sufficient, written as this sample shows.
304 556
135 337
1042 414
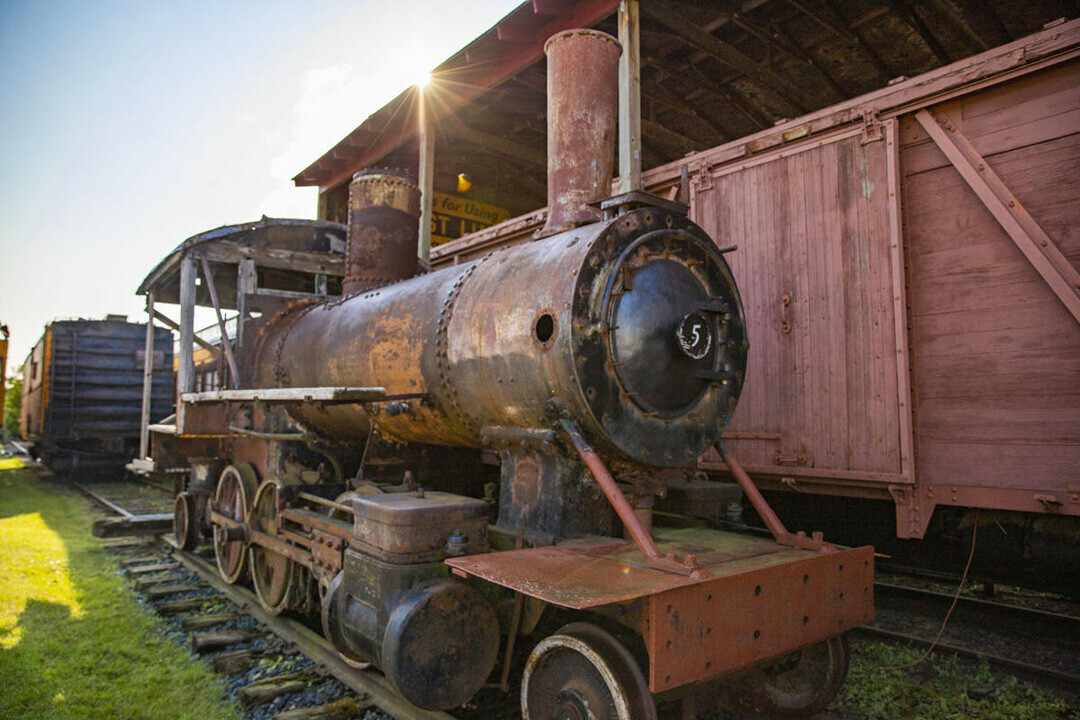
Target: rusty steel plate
713 627
590 572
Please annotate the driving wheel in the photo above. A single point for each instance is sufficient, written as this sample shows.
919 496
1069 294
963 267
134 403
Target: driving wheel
583 673
273 575
805 681
185 522
235 492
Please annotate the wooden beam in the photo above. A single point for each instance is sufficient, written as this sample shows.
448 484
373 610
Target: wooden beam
661 95
657 132
426 176
831 19
185 376
954 13
908 14
245 283
629 97
173 325
767 80
985 21
226 344
148 378
313 263
1029 237
788 45
731 97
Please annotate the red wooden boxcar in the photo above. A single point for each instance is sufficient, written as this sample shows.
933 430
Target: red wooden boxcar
908 260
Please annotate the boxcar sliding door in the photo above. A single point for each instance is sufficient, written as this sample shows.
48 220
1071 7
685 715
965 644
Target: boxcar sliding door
826 398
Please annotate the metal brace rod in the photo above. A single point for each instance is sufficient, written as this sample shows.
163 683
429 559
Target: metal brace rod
653 557
1029 237
768 515
225 344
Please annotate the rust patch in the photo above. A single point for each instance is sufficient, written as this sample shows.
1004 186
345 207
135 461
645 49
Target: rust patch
526 488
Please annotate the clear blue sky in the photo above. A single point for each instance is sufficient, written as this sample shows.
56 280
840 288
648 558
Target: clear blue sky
126 127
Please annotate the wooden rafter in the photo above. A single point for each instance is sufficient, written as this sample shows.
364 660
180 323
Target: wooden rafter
908 14
708 43
661 95
655 132
831 19
492 143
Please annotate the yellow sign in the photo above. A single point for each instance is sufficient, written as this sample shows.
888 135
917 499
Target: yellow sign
453 216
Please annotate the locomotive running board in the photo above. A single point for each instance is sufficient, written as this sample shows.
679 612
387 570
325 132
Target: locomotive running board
750 600
289 395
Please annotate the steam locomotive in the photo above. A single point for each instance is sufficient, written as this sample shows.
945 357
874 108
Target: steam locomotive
447 465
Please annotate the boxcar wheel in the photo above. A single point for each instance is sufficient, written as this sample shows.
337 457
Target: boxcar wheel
235 492
581 673
805 681
185 522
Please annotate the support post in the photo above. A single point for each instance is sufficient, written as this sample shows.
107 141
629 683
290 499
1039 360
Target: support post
245 284
629 98
148 379
226 345
426 177
185 376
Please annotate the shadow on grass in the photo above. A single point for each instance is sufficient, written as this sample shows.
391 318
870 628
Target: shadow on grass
75 642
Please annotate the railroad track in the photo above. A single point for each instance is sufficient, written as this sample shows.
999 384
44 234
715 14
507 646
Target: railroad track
907 614
1036 645
225 624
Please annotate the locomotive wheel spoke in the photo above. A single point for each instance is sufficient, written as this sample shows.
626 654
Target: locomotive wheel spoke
272 574
805 681
583 672
233 498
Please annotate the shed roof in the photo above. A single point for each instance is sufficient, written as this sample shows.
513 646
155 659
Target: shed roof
710 72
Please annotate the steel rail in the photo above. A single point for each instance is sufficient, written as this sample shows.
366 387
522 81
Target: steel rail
108 504
1049 624
1047 677
371 684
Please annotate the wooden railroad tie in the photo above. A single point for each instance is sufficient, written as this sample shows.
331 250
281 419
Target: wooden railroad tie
143 583
343 709
202 622
203 642
236 662
155 567
163 590
263 691
176 607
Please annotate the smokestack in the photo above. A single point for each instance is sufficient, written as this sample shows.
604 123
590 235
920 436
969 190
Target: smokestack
384 214
582 86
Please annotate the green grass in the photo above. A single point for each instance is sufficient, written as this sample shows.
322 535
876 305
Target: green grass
74 641
881 685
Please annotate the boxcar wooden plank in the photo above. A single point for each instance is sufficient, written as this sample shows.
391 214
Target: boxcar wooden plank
813 225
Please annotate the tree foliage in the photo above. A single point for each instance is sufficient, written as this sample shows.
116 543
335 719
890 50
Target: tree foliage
12 405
